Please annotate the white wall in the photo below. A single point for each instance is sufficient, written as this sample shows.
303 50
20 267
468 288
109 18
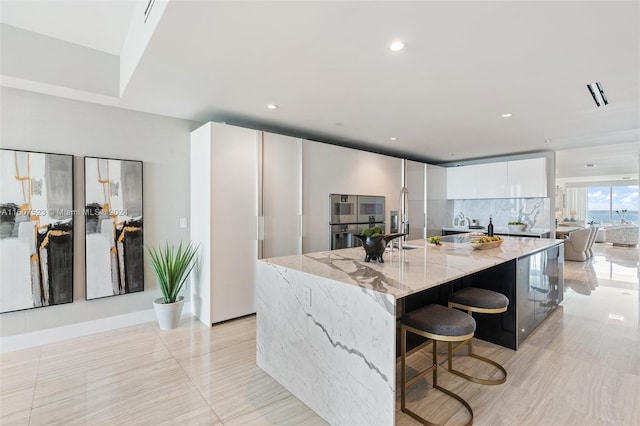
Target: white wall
35 122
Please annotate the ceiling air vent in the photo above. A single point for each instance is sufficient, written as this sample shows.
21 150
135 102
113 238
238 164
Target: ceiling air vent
147 10
597 93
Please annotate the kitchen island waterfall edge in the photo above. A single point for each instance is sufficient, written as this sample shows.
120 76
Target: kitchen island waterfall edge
327 321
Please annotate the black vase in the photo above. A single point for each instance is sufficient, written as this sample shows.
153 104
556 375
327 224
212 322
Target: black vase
374 246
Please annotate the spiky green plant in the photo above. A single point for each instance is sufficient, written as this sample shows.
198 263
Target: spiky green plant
172 267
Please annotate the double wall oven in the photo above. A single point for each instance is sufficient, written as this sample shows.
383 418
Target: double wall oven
350 214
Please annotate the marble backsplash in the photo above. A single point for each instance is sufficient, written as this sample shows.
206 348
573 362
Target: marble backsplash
535 212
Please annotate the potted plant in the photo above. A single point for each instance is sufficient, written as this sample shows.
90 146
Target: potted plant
516 226
171 267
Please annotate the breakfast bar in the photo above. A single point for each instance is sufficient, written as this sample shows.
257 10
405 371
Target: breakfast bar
327 321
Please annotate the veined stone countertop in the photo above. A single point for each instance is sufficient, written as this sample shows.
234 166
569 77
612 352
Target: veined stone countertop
409 271
535 232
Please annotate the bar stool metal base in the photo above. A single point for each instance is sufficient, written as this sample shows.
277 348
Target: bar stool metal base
404 383
451 349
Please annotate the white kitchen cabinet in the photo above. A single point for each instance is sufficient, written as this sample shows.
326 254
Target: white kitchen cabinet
507 179
417 195
437 211
224 220
491 180
461 183
316 187
344 175
528 178
380 175
281 195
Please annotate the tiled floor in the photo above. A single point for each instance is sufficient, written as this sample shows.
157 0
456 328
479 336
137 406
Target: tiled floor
580 367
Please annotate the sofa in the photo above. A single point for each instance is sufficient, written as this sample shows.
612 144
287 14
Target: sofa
622 235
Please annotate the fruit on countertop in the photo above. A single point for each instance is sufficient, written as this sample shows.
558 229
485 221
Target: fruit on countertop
485 240
435 240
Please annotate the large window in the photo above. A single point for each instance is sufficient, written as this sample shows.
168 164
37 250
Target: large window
612 204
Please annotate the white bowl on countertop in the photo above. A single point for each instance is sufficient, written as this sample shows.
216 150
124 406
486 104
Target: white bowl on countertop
517 227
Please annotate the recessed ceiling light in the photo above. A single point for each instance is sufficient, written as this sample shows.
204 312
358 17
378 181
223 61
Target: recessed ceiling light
396 46
547 140
393 139
507 115
616 317
272 106
590 165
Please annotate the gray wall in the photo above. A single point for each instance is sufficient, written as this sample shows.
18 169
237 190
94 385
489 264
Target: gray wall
35 122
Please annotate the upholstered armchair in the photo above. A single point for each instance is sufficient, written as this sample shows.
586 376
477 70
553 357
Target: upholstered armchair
622 235
576 245
592 239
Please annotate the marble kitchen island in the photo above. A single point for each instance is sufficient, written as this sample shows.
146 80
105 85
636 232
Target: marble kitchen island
326 322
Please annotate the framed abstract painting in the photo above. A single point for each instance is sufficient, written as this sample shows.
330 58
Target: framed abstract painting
114 244
36 229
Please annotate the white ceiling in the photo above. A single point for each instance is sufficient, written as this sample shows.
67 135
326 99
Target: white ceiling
327 66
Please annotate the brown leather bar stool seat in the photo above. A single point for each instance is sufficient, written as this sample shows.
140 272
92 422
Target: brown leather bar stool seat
479 300
437 323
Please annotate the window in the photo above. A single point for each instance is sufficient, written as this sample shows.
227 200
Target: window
612 204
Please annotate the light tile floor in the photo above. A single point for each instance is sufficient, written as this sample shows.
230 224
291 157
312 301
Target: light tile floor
580 367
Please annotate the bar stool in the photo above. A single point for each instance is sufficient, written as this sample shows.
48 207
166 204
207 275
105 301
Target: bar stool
437 323
479 300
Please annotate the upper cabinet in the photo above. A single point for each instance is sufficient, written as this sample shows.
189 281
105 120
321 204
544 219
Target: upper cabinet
528 178
508 179
461 182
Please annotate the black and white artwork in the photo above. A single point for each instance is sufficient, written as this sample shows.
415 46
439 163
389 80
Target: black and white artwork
114 251
36 229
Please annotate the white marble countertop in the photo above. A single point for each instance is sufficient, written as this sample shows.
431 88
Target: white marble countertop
409 271
535 232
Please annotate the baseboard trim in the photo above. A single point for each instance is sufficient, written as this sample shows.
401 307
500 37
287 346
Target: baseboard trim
57 334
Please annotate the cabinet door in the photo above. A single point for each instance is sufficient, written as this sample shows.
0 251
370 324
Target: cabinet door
234 209
316 186
527 178
491 180
380 175
461 183
281 194
416 185
344 175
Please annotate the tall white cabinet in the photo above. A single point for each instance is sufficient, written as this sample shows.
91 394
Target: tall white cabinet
246 203
281 195
316 181
416 182
224 220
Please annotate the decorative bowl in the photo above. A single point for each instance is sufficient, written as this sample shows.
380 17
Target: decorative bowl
517 227
485 246
374 246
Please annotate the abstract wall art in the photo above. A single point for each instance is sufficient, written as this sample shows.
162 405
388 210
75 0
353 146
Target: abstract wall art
36 229
114 251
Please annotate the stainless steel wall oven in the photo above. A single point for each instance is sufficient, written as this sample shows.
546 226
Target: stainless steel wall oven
350 214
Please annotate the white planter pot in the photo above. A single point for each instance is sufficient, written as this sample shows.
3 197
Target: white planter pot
168 314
